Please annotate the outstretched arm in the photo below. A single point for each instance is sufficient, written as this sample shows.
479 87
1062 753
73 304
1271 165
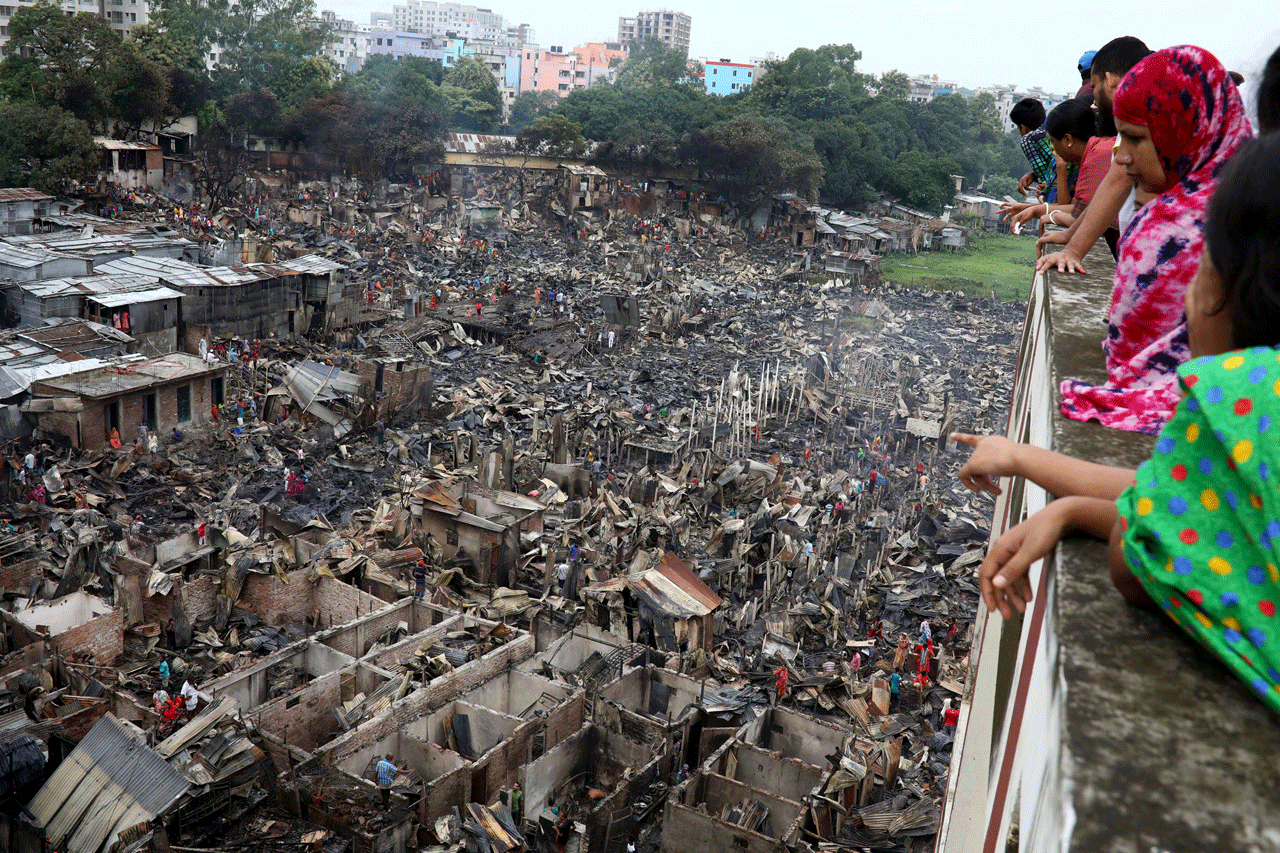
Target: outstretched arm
995 456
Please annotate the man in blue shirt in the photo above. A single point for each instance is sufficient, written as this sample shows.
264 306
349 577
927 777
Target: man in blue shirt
895 683
386 778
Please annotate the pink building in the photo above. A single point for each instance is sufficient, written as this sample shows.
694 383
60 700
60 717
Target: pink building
556 71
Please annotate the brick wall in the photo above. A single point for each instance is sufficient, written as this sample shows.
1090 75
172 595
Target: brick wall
299 600
565 719
200 598
100 639
305 717
398 386
88 429
17 577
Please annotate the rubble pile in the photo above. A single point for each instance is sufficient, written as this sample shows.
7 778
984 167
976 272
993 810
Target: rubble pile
645 425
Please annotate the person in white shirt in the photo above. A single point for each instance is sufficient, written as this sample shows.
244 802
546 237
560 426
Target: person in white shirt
190 698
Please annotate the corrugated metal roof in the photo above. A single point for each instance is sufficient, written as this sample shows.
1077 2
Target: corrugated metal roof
472 143
86 285
110 781
23 258
313 264
133 297
22 194
678 571
120 145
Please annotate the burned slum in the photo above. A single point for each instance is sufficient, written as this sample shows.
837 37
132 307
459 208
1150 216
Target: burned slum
496 511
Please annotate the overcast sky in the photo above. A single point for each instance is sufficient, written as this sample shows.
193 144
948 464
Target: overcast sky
971 42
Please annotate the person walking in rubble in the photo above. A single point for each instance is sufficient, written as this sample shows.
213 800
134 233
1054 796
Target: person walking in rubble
386 771
420 580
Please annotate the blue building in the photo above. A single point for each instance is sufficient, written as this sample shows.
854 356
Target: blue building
726 78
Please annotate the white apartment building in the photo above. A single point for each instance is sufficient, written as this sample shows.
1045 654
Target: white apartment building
348 43
668 26
436 19
121 15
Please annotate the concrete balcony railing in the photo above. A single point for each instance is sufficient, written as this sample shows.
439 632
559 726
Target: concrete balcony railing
1091 725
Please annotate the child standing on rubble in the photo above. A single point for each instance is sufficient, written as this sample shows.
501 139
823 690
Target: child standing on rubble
1196 529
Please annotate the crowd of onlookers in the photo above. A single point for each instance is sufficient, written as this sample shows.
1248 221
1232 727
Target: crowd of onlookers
1157 156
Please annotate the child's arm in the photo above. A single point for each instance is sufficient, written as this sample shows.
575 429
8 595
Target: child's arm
1002 576
995 456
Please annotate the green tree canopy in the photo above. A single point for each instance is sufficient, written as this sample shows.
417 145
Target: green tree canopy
554 136
529 105
652 63
894 84
471 92
44 147
266 43
749 159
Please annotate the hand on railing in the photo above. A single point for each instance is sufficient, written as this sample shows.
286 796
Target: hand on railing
1002 576
1064 260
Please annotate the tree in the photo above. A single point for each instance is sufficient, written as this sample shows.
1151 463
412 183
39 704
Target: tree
894 84
221 168
183 31
44 147
82 65
922 180
529 105
252 112
265 42
811 84
999 186
553 136
749 159
638 148
471 91
409 133
652 63
141 93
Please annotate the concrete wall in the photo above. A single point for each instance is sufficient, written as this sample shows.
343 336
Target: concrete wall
439 691
79 626
787 777
488 728
249 686
305 718
515 693
569 651
634 691
797 736
687 830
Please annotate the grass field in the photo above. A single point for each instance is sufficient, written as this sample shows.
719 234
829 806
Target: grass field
999 262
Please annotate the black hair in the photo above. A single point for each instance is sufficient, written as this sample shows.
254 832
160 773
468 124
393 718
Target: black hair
1242 239
1269 96
1028 112
1071 116
1118 56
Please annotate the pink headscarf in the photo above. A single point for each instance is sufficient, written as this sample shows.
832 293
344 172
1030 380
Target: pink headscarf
1188 102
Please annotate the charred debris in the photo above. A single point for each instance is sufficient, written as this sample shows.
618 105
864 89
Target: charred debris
681 501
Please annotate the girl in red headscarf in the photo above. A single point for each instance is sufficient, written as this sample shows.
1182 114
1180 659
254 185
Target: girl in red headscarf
1180 119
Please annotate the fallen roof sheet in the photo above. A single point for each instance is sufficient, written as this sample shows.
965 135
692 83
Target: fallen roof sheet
109 782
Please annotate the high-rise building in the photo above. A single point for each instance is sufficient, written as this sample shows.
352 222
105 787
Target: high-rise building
121 15
668 26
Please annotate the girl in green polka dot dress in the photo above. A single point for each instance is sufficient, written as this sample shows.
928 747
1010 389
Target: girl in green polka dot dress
1196 529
